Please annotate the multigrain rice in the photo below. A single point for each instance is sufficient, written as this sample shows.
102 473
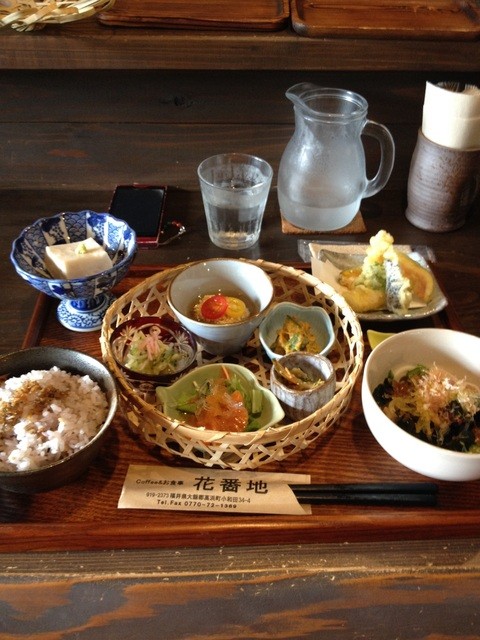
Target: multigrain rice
46 415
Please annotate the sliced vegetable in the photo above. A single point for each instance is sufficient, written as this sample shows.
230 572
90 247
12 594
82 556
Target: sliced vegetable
257 402
225 403
297 378
149 353
218 308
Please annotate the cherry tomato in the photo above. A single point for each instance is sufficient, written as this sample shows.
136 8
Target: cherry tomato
214 307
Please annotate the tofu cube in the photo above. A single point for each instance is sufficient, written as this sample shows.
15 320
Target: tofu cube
76 259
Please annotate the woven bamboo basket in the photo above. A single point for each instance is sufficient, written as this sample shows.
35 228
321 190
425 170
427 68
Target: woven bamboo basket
27 15
239 451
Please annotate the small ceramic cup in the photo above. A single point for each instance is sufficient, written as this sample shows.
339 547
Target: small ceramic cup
442 185
298 404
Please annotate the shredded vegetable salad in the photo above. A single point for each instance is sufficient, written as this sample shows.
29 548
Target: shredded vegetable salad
433 405
148 353
226 403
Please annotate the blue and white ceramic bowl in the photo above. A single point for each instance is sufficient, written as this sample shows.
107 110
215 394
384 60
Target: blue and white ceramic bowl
83 300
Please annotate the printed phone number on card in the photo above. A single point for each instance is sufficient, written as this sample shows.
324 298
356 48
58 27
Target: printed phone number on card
196 500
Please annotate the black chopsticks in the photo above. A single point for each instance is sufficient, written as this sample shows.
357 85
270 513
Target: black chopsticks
405 494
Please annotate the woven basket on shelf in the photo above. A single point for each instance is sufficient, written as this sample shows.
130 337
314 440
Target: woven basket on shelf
239 451
27 15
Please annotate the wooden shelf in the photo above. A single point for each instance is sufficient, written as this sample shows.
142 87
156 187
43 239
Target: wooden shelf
89 45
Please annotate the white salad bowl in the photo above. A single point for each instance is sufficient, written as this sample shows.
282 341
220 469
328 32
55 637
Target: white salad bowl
230 277
457 353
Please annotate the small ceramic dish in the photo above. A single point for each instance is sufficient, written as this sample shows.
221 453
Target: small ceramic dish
299 403
270 414
221 277
153 349
316 317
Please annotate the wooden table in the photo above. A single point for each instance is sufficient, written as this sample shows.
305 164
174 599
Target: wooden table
85 107
312 584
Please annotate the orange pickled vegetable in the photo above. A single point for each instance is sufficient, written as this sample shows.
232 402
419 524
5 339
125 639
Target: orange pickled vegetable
222 410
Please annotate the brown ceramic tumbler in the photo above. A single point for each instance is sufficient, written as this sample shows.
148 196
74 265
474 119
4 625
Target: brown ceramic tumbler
442 185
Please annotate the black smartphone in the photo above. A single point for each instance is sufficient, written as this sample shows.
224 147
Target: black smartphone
143 208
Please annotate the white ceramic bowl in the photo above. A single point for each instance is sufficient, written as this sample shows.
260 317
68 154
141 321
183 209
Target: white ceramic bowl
454 351
299 404
317 318
232 277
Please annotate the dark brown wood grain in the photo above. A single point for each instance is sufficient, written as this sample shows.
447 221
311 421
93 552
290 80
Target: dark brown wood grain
253 15
86 44
441 19
336 592
166 122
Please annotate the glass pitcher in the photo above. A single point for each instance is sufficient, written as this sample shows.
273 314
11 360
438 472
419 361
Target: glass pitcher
322 175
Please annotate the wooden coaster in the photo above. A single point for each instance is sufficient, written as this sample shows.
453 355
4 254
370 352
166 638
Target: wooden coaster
357 225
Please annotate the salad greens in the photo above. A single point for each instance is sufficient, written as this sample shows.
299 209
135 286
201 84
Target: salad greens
226 403
151 355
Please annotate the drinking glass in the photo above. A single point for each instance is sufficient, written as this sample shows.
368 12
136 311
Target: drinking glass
235 188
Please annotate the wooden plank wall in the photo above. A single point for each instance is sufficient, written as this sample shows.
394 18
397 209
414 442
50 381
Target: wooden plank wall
94 129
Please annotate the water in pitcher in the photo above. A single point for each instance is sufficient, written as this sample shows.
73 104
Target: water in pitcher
322 190
322 177
326 217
